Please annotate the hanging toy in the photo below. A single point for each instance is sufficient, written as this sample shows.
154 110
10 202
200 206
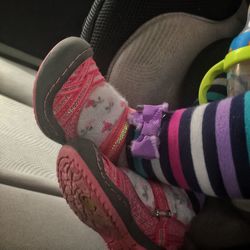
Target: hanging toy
236 64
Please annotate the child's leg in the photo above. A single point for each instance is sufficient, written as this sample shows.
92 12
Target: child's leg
205 149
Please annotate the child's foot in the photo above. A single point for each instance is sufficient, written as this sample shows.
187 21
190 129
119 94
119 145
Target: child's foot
72 99
107 199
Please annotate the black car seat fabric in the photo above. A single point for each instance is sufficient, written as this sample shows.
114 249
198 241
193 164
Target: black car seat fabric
35 27
111 22
210 55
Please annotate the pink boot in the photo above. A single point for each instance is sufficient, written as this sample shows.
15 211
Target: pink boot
72 99
104 198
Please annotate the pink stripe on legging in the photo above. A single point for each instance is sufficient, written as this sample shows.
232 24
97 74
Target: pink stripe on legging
173 148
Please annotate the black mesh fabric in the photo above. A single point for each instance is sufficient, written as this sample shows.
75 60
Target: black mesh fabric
36 26
89 22
111 22
208 57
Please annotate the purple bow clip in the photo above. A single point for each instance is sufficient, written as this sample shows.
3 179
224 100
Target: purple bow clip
147 120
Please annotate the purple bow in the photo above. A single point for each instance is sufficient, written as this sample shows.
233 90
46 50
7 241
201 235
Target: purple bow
147 120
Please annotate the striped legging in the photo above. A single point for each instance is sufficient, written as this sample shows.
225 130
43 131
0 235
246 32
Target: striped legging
204 149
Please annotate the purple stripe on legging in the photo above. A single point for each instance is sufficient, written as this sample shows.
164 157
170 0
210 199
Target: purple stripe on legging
201 199
223 141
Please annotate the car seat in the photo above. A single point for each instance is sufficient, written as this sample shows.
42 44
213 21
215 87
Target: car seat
143 36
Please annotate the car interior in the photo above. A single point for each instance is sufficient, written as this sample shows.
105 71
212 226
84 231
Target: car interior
152 51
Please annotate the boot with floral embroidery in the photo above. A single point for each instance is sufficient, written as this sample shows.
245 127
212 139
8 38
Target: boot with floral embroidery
72 99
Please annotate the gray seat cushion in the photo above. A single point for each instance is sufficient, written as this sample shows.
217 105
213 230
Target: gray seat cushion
27 157
16 81
31 220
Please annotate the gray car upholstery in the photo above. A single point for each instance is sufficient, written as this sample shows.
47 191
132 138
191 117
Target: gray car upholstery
28 158
16 81
32 221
